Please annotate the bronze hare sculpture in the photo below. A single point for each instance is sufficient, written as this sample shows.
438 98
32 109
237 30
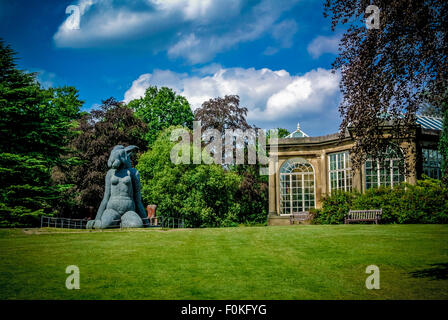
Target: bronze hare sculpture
122 203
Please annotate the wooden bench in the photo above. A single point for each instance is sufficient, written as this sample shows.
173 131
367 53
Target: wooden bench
300 216
363 215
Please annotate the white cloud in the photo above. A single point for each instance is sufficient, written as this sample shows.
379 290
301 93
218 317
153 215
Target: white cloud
322 44
160 78
261 20
47 79
272 97
192 29
269 51
284 32
198 9
103 22
309 93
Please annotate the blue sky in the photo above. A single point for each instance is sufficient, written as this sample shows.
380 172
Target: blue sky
276 55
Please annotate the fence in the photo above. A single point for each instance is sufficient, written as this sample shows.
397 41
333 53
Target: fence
66 223
168 222
53 222
162 222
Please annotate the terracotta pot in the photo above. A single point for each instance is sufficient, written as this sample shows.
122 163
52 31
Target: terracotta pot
151 209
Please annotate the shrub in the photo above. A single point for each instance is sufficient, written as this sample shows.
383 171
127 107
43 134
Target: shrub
386 198
334 208
424 202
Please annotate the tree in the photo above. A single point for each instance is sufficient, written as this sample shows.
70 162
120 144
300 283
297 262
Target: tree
202 194
252 196
35 126
387 73
443 142
253 193
99 131
161 108
222 113
281 133
430 110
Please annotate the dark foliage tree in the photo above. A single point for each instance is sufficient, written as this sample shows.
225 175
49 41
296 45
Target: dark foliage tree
222 113
35 128
430 110
99 131
252 196
160 109
387 73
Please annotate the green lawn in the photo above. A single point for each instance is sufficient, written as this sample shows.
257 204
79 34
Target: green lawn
294 262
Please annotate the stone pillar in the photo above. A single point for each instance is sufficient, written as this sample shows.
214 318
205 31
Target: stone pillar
322 175
272 188
316 163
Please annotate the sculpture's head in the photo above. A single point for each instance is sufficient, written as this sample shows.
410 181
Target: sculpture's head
120 157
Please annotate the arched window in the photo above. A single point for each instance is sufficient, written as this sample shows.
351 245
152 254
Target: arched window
296 186
388 172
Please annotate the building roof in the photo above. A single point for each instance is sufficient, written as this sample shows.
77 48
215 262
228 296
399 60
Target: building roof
427 122
298 133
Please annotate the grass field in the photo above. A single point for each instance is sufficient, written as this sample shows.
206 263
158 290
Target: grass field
294 262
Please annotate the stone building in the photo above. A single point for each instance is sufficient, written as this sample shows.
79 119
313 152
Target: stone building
307 168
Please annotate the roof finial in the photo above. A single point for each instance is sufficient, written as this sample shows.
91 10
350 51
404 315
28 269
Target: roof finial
298 126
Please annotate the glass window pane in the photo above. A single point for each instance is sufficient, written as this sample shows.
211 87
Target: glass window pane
431 163
296 186
339 170
388 170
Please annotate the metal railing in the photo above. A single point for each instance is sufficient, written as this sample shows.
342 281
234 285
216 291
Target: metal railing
67 223
161 222
168 222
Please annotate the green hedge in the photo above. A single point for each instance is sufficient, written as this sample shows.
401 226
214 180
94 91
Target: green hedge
425 202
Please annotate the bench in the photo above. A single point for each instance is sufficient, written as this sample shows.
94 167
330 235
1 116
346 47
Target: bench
363 215
299 216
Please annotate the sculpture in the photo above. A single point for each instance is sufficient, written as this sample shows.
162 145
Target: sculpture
122 201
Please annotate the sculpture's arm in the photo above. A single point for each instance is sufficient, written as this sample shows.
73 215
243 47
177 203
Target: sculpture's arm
105 197
137 194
